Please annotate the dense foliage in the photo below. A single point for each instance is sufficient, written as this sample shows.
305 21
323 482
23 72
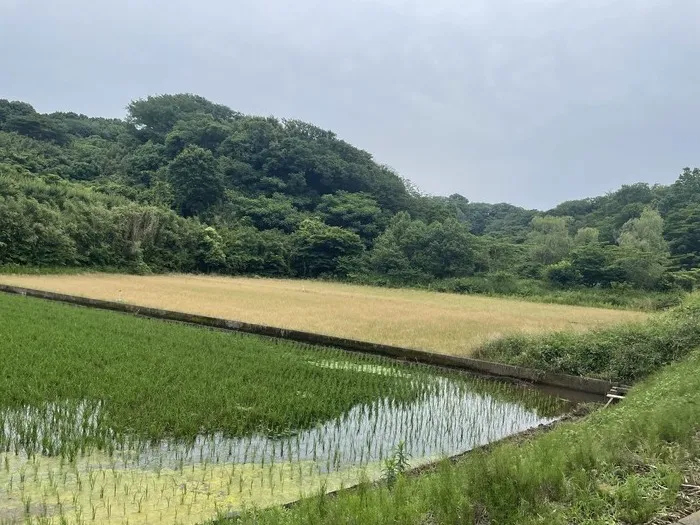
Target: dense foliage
626 353
185 184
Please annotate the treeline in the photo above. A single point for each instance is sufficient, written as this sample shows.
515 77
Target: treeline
183 184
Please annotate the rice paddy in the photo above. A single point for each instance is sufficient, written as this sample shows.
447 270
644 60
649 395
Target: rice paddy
110 418
447 323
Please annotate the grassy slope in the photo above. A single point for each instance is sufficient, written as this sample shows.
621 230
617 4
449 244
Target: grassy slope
623 464
620 353
441 322
162 379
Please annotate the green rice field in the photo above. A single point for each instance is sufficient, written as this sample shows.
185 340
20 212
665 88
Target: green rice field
110 418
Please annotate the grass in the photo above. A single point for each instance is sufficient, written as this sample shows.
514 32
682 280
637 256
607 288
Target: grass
111 416
503 284
626 353
448 323
162 379
624 464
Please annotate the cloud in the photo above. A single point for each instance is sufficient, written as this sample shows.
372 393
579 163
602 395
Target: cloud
528 101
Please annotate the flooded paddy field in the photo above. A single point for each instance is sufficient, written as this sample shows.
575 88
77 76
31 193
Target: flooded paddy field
108 418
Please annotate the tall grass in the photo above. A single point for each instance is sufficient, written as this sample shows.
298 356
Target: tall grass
449 323
625 352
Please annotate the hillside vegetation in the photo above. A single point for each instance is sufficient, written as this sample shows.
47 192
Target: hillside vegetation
184 184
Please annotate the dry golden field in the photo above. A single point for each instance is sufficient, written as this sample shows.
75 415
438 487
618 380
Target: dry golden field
447 323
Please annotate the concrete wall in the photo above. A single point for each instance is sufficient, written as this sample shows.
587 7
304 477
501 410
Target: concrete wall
575 384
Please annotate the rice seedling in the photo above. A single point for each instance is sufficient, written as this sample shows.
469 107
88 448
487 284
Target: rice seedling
109 418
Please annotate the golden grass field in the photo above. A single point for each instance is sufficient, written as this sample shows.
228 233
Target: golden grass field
447 323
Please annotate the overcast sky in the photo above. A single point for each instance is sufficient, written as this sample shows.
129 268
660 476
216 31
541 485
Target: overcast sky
524 101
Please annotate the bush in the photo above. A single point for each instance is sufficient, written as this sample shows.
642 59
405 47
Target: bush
563 274
622 353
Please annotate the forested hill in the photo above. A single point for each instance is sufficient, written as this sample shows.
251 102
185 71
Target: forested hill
184 184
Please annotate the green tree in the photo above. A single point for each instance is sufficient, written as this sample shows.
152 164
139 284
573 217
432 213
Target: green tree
682 230
33 233
210 253
201 130
410 249
196 180
318 249
141 164
251 251
155 116
563 274
357 212
597 264
265 213
586 237
645 254
549 240
681 206
684 191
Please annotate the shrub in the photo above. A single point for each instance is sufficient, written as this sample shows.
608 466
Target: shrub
621 353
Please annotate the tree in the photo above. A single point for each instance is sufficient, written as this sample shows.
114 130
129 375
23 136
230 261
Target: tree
499 220
586 237
141 164
251 251
682 230
318 249
201 130
32 233
683 192
563 274
357 212
645 234
196 180
495 254
645 254
681 204
156 115
410 250
265 213
549 239
597 264
210 253
37 127
9 109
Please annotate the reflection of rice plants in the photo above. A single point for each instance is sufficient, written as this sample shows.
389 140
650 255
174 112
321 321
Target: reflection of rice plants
109 418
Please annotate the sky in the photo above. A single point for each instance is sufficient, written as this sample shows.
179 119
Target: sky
531 102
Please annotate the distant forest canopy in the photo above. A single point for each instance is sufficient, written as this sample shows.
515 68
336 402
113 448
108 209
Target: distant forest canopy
184 184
